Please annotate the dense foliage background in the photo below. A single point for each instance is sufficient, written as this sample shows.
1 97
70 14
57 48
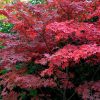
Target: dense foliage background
50 50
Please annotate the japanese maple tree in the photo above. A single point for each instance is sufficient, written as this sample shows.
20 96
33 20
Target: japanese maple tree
53 48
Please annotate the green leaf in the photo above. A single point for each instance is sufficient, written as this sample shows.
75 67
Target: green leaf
33 93
3 71
1 46
37 1
23 96
18 66
6 27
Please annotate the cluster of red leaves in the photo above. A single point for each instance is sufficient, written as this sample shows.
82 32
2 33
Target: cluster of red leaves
57 35
90 90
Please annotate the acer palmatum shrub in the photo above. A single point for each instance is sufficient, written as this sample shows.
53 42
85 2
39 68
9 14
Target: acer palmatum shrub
54 53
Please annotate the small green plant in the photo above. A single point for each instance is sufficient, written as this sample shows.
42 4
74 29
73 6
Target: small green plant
5 27
37 1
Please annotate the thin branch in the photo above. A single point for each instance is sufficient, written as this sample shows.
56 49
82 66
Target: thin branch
71 96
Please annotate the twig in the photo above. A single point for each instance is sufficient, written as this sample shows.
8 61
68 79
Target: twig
71 96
